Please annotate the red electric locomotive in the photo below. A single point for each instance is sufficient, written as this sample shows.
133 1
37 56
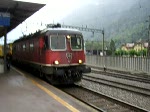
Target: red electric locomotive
56 53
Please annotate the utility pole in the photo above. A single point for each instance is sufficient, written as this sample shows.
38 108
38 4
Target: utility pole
103 42
149 37
5 48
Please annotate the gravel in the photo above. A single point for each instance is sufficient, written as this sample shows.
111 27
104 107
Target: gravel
124 95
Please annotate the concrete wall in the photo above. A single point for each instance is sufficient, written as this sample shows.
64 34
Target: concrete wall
139 64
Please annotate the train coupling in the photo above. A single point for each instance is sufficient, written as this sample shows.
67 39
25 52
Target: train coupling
86 69
69 73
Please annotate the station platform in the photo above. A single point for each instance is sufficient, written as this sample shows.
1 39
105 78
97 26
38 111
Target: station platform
22 92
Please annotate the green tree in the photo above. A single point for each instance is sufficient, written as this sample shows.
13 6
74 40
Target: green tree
132 52
121 52
142 52
112 47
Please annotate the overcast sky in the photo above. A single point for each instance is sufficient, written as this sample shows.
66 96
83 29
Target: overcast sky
53 12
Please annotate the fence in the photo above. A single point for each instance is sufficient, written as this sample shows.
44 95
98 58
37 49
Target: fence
139 64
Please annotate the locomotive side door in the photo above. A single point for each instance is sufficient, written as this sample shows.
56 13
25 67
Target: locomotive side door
41 49
43 45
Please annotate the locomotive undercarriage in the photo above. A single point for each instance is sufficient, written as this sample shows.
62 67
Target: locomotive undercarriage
55 75
65 75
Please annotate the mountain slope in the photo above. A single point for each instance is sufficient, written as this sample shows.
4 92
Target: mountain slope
122 21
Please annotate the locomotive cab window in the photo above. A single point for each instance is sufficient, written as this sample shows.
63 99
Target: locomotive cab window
31 46
58 42
76 42
24 47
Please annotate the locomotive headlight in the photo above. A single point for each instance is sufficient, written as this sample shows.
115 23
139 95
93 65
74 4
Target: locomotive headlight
80 61
68 36
56 62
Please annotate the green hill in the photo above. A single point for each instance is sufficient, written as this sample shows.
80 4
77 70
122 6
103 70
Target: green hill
123 21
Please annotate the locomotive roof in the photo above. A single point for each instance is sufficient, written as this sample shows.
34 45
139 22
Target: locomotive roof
63 31
50 31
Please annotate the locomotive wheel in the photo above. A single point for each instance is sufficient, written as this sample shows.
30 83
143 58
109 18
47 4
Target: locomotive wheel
41 74
49 78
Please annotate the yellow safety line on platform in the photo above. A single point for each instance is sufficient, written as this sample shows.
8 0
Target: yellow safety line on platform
50 93
56 97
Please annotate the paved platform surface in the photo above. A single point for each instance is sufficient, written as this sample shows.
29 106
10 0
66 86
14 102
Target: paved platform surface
22 92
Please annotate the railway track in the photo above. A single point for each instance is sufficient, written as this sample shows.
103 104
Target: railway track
141 77
118 84
131 88
100 101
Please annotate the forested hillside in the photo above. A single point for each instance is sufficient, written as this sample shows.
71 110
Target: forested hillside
123 21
